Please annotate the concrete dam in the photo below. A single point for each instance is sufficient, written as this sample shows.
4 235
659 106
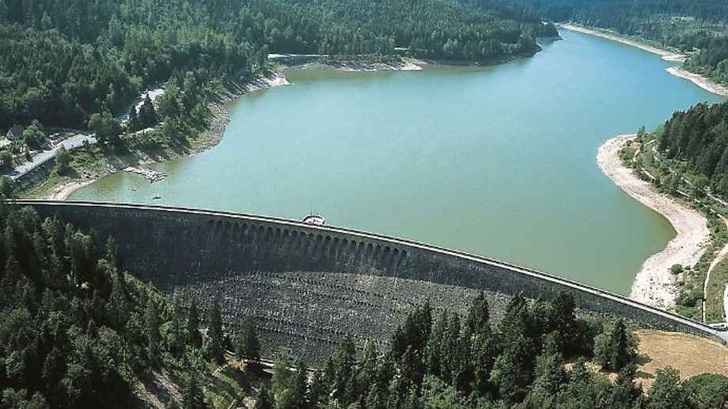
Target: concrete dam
308 286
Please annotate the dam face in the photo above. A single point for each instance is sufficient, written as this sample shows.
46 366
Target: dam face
308 286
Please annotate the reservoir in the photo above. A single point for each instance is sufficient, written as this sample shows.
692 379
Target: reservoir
497 161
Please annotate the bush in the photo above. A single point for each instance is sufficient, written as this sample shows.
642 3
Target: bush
676 268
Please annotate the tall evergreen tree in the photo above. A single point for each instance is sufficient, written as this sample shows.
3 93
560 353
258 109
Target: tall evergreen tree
192 397
215 348
147 113
194 338
151 329
247 344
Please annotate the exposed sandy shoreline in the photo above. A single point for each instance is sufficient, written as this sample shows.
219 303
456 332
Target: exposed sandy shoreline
64 190
665 54
697 79
406 64
655 284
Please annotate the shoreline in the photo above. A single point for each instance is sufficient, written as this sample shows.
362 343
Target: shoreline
701 81
665 54
654 283
405 64
220 117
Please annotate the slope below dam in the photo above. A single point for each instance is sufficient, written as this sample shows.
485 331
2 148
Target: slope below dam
308 286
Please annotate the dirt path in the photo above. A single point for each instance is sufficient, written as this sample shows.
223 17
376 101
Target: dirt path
718 258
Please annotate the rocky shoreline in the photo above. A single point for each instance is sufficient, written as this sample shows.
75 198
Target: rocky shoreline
655 284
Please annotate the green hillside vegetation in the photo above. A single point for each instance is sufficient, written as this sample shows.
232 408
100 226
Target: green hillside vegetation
687 158
536 357
695 27
698 137
77 332
62 62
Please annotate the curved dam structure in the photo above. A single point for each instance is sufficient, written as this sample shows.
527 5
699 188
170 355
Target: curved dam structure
307 285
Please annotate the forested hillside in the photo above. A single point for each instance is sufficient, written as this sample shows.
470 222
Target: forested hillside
456 362
76 332
687 25
699 137
62 61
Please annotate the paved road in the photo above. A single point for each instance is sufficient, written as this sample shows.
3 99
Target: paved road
71 143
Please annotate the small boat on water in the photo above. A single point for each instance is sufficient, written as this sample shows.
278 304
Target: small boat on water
315 219
156 197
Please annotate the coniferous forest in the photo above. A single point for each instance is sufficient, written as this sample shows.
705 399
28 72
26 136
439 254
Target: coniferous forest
699 138
63 61
694 27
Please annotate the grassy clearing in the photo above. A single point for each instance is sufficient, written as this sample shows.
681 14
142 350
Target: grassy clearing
714 294
691 355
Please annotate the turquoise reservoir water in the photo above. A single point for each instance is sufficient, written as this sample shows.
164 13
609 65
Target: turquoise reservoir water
497 161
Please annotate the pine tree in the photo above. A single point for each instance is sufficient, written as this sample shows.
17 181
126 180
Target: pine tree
151 326
550 373
192 397
623 349
317 391
193 326
300 387
478 315
216 337
265 400
247 344
147 114
562 321
133 125
366 375
176 341
343 363
668 391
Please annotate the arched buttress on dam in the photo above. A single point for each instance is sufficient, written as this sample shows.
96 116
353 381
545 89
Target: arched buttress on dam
308 286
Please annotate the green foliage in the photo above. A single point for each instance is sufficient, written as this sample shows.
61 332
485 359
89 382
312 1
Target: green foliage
33 136
247 344
615 348
520 364
667 391
264 399
686 25
63 62
105 127
74 330
6 160
62 161
215 349
147 114
193 337
698 138
151 329
192 397
708 390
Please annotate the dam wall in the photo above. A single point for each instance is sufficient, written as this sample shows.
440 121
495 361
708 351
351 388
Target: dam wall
310 285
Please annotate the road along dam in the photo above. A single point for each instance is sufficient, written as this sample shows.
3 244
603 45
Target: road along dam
308 286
